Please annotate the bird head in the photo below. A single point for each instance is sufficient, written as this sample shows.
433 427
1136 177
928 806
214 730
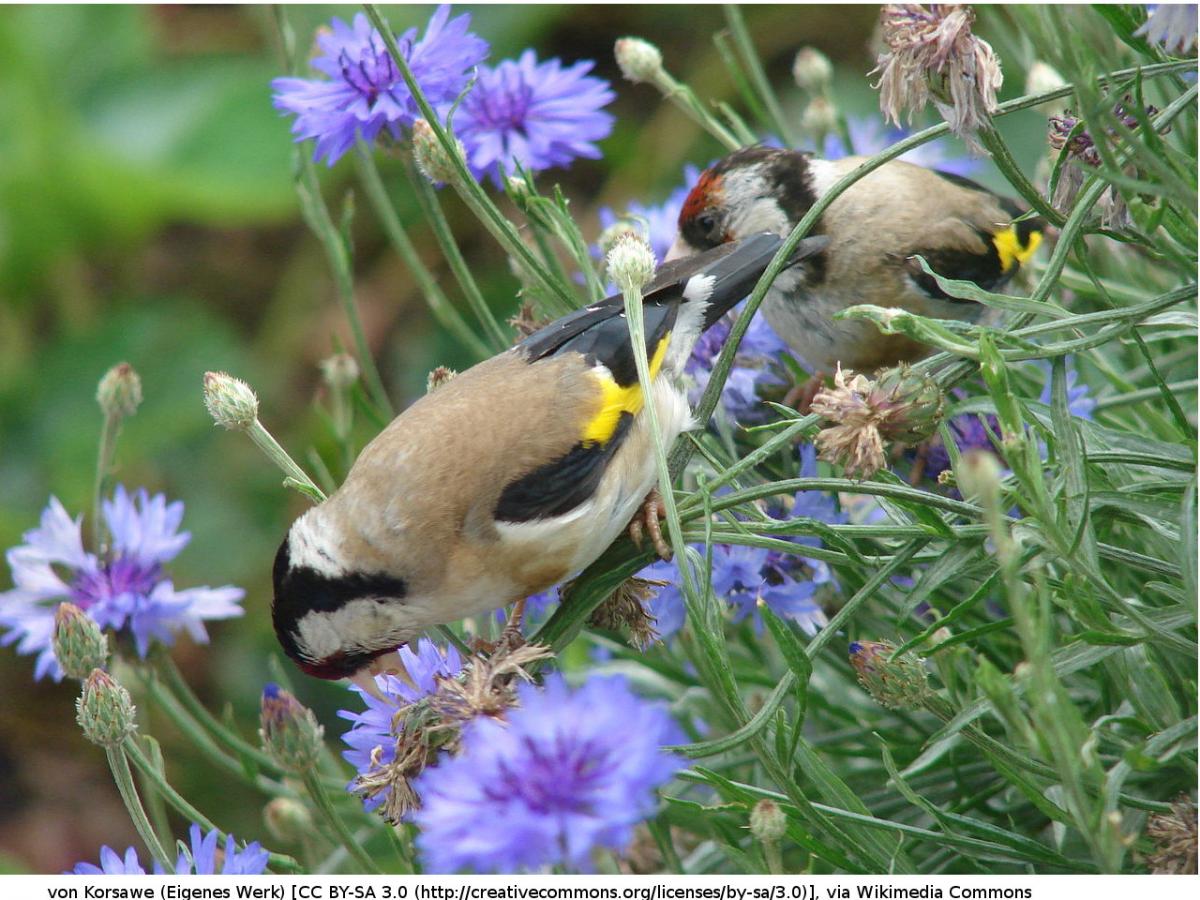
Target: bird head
333 620
750 191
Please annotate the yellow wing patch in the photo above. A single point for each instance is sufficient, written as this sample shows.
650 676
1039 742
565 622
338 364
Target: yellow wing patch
615 400
1011 250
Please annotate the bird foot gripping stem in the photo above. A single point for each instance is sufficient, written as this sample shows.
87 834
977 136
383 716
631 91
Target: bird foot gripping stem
648 520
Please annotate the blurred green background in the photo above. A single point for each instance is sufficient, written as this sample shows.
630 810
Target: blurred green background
147 214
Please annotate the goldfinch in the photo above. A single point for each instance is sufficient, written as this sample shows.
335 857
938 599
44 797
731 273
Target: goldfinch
505 480
876 228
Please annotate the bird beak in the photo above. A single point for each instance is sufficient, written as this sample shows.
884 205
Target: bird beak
678 250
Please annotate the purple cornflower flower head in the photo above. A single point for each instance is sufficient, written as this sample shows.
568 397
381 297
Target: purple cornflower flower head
111 864
363 93
869 136
540 115
569 772
1172 26
126 587
1080 401
815 505
754 366
201 858
970 432
374 730
657 224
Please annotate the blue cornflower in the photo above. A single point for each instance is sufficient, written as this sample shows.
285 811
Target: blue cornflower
1080 401
200 859
540 115
870 135
125 588
754 365
1171 25
363 92
569 772
374 729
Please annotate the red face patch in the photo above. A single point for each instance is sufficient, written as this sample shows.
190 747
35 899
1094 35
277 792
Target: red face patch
706 193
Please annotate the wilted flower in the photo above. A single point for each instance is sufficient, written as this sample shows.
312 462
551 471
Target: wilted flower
569 772
1173 26
120 391
200 858
363 92
540 115
899 405
639 60
105 710
289 731
1174 833
373 732
230 401
932 55
630 263
900 683
811 69
438 376
127 587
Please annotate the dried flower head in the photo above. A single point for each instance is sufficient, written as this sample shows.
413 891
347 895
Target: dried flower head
289 731
625 610
900 683
105 710
120 391
230 401
932 55
899 405
79 644
639 60
1174 837
812 70
527 321
438 376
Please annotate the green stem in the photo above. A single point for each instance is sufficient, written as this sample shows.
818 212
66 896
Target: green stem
124 779
296 477
104 464
754 68
431 206
435 298
316 790
181 805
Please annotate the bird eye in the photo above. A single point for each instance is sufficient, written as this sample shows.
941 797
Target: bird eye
708 224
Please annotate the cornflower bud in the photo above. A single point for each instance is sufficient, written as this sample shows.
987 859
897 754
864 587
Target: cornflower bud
287 820
768 823
616 231
79 644
900 683
639 60
289 731
230 401
120 391
432 159
340 371
630 263
104 710
812 70
518 190
819 117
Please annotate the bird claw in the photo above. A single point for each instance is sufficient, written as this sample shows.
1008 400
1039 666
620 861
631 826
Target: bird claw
647 520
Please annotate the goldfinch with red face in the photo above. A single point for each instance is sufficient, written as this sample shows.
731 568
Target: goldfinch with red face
875 229
505 480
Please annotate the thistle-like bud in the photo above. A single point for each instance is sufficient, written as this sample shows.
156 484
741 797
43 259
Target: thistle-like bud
289 732
900 683
619 229
630 263
768 823
979 476
812 70
899 405
340 371
287 820
230 401
519 190
119 392
438 376
819 117
639 60
104 710
432 159
79 644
